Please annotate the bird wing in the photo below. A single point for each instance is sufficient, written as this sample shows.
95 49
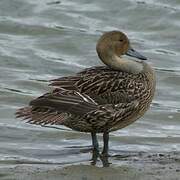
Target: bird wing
104 85
55 107
61 106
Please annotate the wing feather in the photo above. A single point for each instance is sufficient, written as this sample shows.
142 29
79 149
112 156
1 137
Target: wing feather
56 107
102 84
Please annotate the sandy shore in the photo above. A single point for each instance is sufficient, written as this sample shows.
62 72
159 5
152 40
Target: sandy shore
127 166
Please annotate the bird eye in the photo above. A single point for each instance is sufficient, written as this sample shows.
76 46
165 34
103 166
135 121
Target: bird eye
121 40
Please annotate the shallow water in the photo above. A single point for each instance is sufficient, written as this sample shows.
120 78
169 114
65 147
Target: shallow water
44 39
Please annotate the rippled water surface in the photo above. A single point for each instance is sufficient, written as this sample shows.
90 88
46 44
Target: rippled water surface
44 39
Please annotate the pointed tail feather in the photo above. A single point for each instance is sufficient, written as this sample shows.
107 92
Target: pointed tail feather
56 107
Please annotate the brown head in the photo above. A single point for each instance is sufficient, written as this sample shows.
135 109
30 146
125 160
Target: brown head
115 44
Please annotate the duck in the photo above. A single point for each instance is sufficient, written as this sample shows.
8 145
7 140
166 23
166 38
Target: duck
99 99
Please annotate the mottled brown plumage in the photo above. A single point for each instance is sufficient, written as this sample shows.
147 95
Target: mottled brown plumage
99 99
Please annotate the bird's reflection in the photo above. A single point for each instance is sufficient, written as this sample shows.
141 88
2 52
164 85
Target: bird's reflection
96 155
104 158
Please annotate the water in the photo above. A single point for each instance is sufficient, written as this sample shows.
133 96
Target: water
45 39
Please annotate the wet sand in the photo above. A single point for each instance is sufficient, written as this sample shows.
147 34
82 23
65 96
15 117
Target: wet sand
125 166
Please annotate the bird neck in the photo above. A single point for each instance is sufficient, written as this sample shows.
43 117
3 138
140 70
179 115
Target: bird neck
121 64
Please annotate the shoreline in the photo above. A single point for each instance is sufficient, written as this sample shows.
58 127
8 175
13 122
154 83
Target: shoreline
130 166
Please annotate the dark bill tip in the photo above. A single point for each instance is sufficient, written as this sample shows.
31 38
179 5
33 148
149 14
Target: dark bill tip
133 53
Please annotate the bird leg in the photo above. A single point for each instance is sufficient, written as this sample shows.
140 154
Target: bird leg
95 155
95 151
106 141
95 142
